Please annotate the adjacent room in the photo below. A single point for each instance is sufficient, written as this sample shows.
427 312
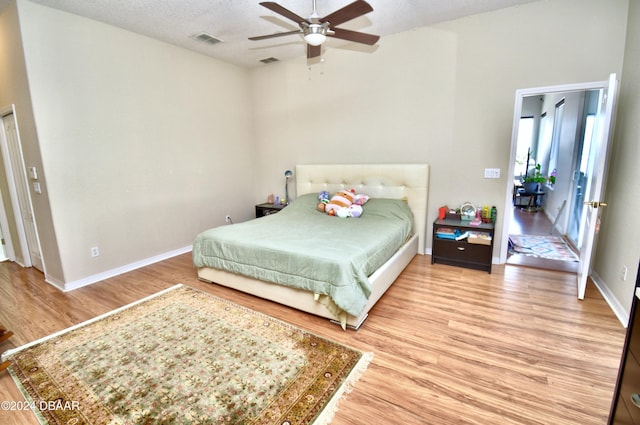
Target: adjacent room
134 131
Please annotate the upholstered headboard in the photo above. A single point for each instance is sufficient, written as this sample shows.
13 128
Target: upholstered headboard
396 181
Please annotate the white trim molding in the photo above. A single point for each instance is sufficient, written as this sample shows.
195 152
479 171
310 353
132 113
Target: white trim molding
618 309
70 286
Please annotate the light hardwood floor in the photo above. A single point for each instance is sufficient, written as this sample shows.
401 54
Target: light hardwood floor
451 345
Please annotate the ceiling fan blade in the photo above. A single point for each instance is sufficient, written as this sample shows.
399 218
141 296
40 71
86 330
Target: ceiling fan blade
278 34
358 37
313 51
347 13
275 7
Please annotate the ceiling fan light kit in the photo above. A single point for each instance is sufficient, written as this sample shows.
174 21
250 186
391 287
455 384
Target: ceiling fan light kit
315 34
315 30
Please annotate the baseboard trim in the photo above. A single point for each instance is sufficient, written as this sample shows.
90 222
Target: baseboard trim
620 312
70 286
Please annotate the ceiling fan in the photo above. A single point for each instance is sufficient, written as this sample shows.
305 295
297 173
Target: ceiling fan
316 29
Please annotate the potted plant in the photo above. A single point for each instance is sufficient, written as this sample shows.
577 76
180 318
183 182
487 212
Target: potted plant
533 179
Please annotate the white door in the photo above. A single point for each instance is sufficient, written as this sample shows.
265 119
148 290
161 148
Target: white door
596 178
29 251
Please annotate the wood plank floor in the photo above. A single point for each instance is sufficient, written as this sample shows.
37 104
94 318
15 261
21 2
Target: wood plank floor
451 345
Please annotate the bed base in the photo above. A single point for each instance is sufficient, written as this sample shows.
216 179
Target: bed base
303 300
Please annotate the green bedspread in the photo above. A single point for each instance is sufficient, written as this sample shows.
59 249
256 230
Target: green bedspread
304 248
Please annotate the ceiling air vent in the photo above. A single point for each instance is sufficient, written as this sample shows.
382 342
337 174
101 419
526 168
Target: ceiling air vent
269 60
206 38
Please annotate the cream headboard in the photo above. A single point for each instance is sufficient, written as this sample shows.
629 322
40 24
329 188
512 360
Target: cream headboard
396 181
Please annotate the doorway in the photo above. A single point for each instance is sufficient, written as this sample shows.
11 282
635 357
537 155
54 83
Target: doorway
569 132
544 232
17 219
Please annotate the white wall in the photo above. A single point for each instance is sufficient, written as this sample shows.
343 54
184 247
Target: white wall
143 144
395 105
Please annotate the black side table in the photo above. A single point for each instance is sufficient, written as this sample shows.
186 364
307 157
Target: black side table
267 209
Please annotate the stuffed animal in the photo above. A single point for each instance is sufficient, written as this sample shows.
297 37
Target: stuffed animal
360 199
355 211
342 199
352 210
323 198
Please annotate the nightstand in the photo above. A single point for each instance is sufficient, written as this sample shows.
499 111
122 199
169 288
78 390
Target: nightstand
462 253
267 209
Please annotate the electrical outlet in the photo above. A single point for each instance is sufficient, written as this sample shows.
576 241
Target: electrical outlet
625 270
95 251
227 219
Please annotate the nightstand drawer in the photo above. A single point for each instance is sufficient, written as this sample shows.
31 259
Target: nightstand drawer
461 251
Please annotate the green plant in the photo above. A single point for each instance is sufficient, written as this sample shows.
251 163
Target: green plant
535 176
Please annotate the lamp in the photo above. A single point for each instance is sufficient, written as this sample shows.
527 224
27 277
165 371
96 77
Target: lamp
287 174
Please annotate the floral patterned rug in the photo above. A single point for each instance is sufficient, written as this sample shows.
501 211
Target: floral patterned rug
185 357
549 247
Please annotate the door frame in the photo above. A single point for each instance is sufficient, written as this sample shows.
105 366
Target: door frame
517 112
12 176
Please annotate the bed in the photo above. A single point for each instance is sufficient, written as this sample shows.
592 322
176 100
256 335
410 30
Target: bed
345 295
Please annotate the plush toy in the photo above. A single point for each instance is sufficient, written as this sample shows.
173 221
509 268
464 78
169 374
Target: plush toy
360 199
342 199
343 212
355 211
323 198
352 210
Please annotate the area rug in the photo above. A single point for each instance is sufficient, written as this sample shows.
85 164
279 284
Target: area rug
549 247
185 357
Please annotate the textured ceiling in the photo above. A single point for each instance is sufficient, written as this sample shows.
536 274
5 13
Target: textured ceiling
233 21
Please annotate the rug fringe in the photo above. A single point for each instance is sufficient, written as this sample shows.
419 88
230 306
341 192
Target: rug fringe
326 416
86 322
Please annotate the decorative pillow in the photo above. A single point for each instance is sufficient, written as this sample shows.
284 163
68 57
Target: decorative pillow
342 199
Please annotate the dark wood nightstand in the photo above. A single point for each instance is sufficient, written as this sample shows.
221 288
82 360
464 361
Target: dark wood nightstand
267 209
462 253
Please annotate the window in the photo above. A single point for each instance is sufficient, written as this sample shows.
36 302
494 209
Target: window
525 136
555 139
586 144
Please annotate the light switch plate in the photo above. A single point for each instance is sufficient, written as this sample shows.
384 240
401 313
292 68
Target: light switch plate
491 173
